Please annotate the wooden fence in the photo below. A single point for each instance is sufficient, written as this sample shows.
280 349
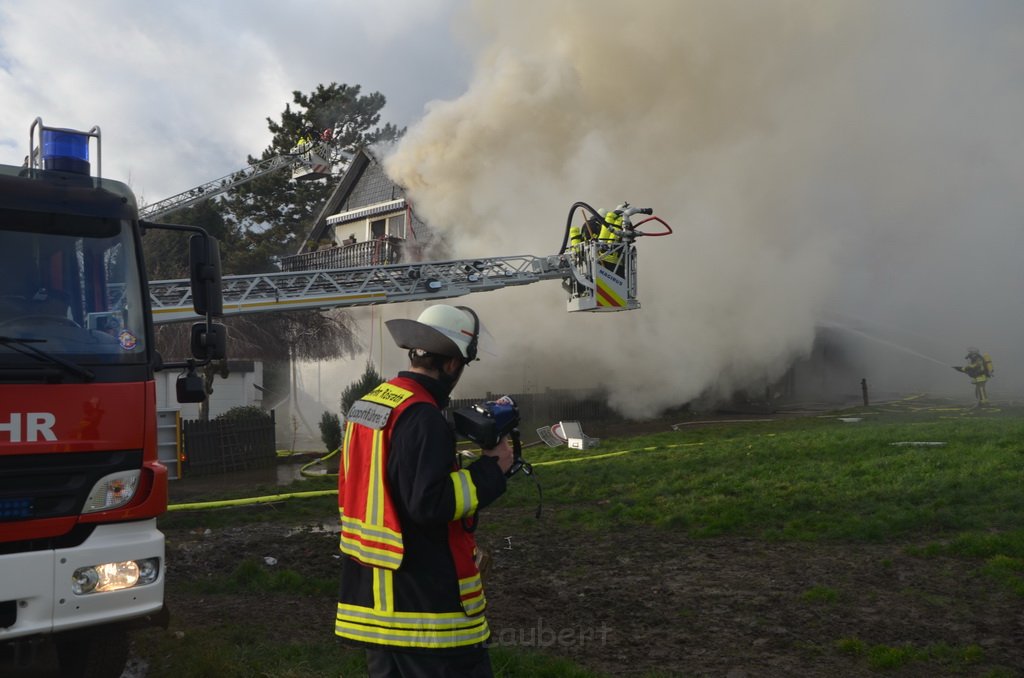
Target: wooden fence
225 445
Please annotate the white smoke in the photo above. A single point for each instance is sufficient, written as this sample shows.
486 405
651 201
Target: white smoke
811 157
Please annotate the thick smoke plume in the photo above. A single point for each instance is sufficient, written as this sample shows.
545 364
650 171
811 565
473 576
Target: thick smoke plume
817 160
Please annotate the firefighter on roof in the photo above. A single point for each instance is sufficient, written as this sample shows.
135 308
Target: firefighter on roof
979 369
411 591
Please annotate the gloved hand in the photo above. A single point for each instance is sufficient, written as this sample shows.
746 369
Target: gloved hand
503 453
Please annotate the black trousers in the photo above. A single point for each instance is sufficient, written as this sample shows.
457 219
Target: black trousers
473 663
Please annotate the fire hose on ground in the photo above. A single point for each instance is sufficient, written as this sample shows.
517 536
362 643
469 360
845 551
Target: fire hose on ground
272 498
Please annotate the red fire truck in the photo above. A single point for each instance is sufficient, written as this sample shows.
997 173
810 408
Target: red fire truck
81 558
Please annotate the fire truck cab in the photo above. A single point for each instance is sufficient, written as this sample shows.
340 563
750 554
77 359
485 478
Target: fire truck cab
81 558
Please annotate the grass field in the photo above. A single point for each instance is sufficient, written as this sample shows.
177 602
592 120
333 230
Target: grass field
809 478
929 479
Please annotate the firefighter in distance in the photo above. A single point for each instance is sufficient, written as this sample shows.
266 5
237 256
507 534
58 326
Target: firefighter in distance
979 369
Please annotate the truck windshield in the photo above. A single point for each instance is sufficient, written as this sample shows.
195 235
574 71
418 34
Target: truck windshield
70 283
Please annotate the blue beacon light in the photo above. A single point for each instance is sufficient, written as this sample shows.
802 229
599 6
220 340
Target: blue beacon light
65 151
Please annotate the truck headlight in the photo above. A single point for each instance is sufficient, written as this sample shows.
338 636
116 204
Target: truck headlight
115 576
112 491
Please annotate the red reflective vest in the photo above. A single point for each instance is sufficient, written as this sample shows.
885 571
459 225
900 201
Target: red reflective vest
371 534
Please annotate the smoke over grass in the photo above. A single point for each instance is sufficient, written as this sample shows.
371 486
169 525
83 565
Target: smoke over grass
813 158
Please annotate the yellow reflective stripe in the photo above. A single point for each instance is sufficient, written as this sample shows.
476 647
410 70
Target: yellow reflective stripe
470 584
473 587
474 606
466 500
346 443
370 555
383 590
409 629
407 638
388 394
406 620
377 533
375 496
369 511
378 458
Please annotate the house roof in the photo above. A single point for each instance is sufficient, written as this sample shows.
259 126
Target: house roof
360 161
363 191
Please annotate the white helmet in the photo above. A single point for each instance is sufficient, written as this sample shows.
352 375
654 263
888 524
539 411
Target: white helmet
451 331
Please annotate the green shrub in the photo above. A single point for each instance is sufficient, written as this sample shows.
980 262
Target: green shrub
244 412
357 389
330 431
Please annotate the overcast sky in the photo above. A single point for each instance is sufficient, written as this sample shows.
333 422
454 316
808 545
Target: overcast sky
858 160
181 90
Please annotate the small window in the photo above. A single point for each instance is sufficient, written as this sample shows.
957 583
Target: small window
378 228
396 226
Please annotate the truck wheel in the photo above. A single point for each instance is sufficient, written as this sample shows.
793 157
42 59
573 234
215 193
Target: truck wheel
93 653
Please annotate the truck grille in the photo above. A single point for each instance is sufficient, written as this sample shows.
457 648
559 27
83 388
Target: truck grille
34 486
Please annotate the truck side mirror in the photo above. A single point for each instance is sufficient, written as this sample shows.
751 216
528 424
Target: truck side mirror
204 270
190 387
209 341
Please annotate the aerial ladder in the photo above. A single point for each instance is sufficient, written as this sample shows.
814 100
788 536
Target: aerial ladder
309 160
598 275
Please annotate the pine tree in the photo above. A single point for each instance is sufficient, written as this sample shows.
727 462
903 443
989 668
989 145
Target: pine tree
274 212
267 218
370 380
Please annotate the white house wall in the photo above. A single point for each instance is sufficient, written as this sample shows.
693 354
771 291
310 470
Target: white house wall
238 390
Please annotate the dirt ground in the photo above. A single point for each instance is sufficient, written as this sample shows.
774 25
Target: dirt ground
634 603
630 603
627 604
732 607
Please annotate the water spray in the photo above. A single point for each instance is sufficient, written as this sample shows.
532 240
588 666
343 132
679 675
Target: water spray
886 342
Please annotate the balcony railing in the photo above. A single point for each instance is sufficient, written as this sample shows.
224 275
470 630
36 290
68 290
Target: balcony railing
384 250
